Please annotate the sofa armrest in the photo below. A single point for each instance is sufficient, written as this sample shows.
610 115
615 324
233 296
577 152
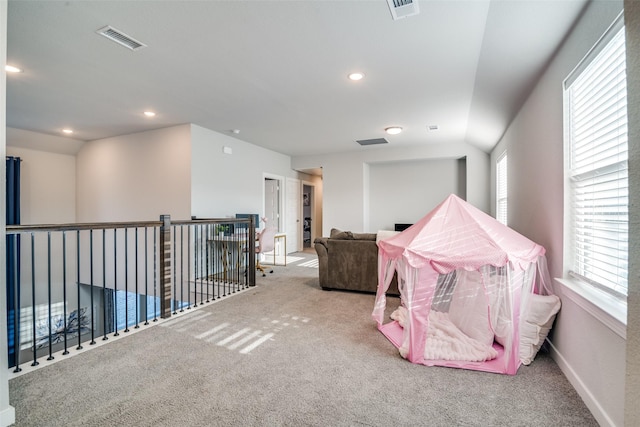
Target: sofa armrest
322 246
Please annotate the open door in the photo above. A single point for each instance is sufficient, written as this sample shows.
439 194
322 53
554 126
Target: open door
272 202
294 211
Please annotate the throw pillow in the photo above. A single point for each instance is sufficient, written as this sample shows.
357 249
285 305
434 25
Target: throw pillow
340 235
535 324
469 309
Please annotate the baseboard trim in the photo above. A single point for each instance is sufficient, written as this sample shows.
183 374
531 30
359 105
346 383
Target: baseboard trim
7 416
594 406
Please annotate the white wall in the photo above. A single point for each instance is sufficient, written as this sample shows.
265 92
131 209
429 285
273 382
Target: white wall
47 186
7 412
403 192
591 354
346 179
225 184
135 177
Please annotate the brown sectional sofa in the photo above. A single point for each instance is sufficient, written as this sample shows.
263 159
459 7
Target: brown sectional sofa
349 261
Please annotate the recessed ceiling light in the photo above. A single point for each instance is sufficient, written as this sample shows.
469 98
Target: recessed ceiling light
67 131
393 130
12 69
356 76
149 113
236 131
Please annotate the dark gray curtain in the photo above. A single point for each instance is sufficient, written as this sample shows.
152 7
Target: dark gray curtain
13 254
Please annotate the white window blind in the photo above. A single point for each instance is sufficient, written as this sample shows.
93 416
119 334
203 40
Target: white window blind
596 96
501 189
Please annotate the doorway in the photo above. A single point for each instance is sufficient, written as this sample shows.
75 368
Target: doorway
293 214
307 215
272 202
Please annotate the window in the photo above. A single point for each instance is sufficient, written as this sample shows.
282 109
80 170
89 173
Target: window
597 189
501 189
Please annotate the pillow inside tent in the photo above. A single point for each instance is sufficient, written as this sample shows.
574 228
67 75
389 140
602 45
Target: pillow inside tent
536 323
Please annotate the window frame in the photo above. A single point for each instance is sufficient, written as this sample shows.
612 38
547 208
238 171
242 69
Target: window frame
499 197
601 296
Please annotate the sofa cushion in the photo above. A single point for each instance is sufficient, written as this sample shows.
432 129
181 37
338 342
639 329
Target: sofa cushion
364 236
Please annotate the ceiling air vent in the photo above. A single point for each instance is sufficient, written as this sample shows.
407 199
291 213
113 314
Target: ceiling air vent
403 8
120 38
373 141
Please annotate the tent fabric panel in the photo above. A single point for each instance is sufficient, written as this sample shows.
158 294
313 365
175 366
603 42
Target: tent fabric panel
386 268
458 235
417 294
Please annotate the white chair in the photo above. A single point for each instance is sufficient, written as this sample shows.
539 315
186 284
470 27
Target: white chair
265 244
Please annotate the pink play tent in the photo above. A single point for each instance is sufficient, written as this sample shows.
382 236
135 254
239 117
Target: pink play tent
475 294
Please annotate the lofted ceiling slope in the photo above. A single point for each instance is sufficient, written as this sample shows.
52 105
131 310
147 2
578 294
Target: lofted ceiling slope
277 70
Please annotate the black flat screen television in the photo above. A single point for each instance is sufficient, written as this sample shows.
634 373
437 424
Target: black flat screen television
401 227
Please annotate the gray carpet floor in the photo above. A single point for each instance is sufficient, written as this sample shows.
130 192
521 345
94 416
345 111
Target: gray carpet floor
284 353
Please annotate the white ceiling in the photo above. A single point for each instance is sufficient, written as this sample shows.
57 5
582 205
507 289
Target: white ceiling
277 70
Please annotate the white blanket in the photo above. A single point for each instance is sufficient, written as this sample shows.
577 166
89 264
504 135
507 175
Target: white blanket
446 342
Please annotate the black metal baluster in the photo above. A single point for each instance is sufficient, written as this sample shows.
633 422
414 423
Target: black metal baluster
137 293
16 305
181 268
237 251
146 275
115 282
225 259
104 284
212 259
238 254
201 266
49 295
220 261
92 284
208 274
189 265
173 269
155 275
79 347
245 274
225 266
215 262
126 280
231 263
195 267
238 264
33 299
64 289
